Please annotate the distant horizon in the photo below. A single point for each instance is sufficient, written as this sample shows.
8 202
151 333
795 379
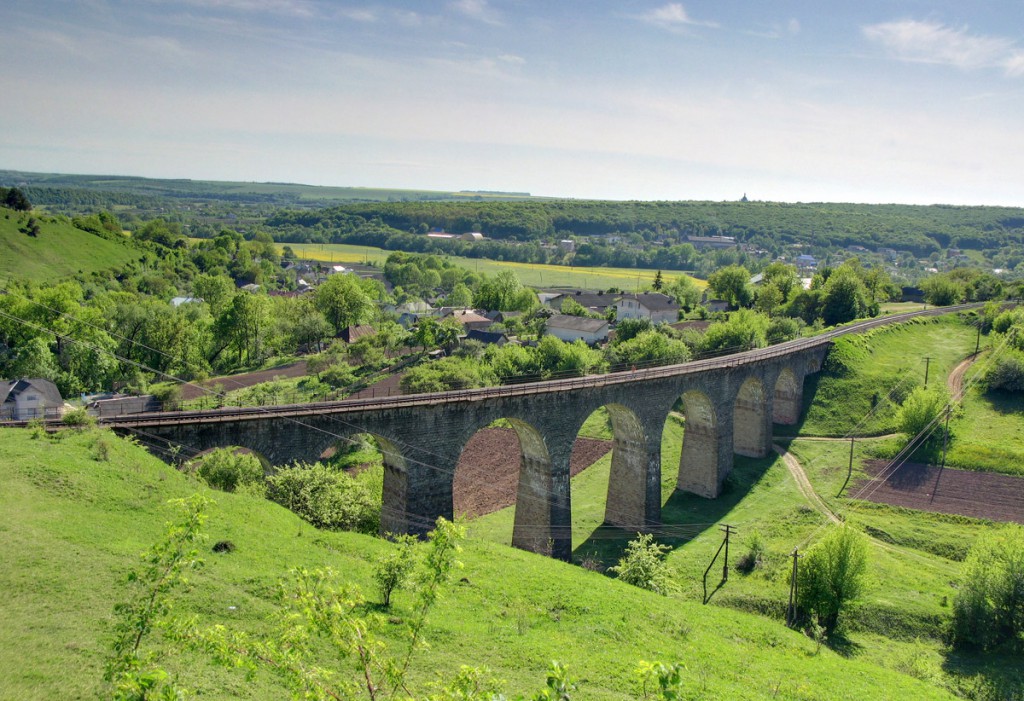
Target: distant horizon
509 193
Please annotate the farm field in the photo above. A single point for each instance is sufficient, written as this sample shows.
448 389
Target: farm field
531 274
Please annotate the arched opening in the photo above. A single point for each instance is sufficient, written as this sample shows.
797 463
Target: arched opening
609 467
749 428
788 396
693 424
504 475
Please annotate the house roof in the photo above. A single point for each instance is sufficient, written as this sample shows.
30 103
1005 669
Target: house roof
577 323
654 301
10 389
485 336
351 334
468 317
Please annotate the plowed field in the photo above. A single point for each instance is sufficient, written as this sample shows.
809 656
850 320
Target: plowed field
488 471
926 488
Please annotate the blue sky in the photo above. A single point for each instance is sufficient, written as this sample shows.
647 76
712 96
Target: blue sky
873 101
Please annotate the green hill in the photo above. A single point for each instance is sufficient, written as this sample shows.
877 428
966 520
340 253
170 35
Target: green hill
58 249
77 509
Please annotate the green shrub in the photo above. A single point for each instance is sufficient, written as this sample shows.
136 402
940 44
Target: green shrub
1006 373
921 409
327 498
831 577
643 565
227 470
78 418
988 609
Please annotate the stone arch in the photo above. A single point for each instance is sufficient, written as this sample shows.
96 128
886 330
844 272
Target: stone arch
788 397
750 434
627 503
533 527
699 466
395 516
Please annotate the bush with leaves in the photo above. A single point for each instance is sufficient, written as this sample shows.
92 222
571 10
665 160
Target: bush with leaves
393 568
988 610
643 565
326 498
832 575
133 674
228 470
1006 373
922 409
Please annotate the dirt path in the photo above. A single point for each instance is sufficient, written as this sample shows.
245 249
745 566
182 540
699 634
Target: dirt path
805 487
804 484
955 382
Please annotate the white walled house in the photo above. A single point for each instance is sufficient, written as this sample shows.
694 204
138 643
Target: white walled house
21 400
651 305
572 328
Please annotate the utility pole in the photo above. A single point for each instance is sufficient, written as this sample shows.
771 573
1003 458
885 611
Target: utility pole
945 436
791 609
927 363
725 566
977 344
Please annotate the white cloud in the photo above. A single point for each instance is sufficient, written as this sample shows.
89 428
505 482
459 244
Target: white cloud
357 14
512 59
295 8
931 42
673 17
476 9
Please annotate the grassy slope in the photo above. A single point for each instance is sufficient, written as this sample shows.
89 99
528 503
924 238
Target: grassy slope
888 358
72 525
914 558
59 250
531 274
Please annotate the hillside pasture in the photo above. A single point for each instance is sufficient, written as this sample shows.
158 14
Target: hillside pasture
59 250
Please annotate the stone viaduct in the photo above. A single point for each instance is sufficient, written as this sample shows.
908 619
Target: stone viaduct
729 404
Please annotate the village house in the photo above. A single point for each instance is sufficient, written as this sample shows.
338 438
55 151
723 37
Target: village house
572 328
650 305
24 399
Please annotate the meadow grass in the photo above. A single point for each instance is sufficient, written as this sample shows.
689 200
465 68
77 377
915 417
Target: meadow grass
73 525
867 375
58 251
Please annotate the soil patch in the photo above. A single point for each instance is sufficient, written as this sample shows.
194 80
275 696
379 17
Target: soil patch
926 488
191 390
487 476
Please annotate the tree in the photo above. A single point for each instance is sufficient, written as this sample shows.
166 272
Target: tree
988 609
744 329
658 283
684 291
832 575
643 565
343 301
648 347
16 200
942 290
731 283
243 325
844 297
